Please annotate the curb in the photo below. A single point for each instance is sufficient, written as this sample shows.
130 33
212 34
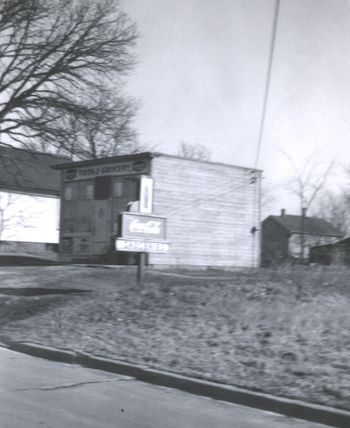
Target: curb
288 407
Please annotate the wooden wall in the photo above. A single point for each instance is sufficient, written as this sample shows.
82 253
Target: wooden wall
210 208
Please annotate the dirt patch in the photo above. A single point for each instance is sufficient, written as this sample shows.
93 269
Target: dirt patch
284 332
18 260
35 291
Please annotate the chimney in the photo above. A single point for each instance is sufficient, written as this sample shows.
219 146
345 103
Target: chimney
303 212
283 212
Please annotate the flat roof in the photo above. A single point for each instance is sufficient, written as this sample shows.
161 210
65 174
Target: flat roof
143 155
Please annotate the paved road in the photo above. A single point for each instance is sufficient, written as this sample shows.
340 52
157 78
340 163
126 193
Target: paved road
37 393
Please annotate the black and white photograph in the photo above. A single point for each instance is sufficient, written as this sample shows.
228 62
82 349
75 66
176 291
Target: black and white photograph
174 213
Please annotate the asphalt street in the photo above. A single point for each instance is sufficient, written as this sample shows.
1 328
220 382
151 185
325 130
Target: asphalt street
38 393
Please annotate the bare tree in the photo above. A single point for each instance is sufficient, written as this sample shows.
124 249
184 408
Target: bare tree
107 135
268 198
194 151
335 208
58 62
306 183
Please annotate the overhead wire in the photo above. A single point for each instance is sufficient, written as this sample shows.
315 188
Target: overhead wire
256 202
214 194
253 179
253 171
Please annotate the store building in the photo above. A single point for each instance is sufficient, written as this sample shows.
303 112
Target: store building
211 209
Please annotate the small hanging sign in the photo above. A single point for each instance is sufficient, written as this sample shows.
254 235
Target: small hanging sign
146 194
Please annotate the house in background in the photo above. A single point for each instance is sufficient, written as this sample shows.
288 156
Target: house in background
29 202
281 237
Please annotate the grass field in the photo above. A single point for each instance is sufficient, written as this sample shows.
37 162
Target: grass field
284 332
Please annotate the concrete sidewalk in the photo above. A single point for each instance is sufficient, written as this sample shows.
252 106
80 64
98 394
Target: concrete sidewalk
292 408
36 392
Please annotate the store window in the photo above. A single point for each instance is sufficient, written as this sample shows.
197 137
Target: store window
102 187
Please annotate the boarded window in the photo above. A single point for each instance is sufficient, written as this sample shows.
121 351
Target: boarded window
125 188
89 191
68 191
102 187
85 190
131 188
118 188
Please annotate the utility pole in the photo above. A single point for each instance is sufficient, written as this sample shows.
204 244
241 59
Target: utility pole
302 234
262 124
268 80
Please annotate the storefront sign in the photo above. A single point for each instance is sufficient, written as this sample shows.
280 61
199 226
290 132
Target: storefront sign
140 226
135 245
135 167
146 194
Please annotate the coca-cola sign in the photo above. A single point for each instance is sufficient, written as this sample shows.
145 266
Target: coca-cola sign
136 225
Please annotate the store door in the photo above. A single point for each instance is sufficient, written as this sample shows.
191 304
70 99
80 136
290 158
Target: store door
102 215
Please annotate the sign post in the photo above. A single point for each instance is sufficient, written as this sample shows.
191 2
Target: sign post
143 232
141 269
145 207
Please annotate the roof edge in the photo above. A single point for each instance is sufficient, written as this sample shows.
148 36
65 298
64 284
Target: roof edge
298 232
35 153
150 155
110 159
30 191
207 161
315 234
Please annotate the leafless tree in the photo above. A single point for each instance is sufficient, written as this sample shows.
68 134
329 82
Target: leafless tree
306 183
194 151
335 208
62 65
108 135
268 198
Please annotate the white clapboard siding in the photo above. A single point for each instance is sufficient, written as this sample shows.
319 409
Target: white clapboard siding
210 210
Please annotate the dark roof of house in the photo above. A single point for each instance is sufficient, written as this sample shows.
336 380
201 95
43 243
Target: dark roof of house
344 241
29 172
312 225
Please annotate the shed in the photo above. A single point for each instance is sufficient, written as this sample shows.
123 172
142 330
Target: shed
211 209
335 253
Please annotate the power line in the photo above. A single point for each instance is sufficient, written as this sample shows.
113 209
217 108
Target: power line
263 119
219 190
268 80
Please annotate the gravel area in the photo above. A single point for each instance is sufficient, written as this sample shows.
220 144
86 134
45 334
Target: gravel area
284 332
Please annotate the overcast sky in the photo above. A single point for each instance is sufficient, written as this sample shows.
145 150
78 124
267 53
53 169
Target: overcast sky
202 72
